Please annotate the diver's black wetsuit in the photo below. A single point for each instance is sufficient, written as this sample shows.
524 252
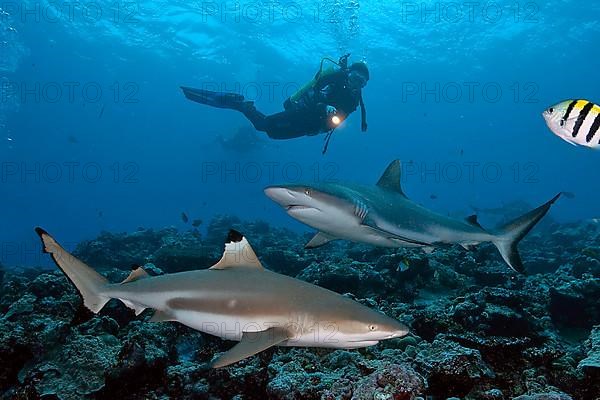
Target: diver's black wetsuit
305 116
308 115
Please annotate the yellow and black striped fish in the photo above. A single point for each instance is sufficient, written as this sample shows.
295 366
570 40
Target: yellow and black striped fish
576 122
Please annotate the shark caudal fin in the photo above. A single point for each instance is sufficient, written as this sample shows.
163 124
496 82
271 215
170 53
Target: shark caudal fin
509 235
86 280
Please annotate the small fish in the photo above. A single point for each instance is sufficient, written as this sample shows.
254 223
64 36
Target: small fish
184 218
575 121
196 223
462 152
100 213
403 265
433 197
72 139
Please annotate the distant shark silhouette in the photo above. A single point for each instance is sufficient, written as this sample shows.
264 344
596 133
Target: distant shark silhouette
243 140
236 299
383 216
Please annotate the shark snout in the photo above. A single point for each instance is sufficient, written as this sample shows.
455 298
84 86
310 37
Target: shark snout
400 333
288 197
399 330
280 195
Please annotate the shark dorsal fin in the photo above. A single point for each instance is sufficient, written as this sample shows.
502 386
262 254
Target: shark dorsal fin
472 219
390 179
238 254
137 273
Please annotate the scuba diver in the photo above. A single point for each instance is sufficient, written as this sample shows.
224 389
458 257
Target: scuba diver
319 106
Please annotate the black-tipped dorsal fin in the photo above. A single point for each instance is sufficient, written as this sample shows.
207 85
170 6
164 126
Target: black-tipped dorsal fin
390 179
137 273
472 220
238 254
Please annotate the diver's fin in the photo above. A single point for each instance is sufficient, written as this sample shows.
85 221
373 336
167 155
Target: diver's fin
509 235
215 99
238 254
88 282
251 344
391 177
319 240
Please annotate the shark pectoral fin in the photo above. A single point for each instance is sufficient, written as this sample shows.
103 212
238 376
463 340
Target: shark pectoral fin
319 240
238 254
390 179
136 273
161 316
251 344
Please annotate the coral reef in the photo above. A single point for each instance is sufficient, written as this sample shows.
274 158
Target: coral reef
478 331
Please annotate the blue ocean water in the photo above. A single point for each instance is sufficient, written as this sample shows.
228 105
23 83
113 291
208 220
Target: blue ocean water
96 134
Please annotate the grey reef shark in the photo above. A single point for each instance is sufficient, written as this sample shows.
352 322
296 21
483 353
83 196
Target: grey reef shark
382 215
236 299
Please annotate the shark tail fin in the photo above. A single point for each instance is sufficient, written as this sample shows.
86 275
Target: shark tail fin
88 282
509 235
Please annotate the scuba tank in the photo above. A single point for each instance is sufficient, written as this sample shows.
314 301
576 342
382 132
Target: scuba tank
342 63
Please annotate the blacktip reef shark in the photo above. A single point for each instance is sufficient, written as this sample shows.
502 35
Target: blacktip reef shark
382 215
236 299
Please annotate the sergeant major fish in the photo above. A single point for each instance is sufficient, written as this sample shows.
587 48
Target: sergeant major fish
576 122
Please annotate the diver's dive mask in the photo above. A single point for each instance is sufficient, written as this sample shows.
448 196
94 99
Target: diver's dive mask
356 79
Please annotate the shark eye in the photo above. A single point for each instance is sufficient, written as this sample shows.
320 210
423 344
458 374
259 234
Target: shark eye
372 327
550 110
307 191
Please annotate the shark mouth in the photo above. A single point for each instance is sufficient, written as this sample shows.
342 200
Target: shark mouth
361 343
297 207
